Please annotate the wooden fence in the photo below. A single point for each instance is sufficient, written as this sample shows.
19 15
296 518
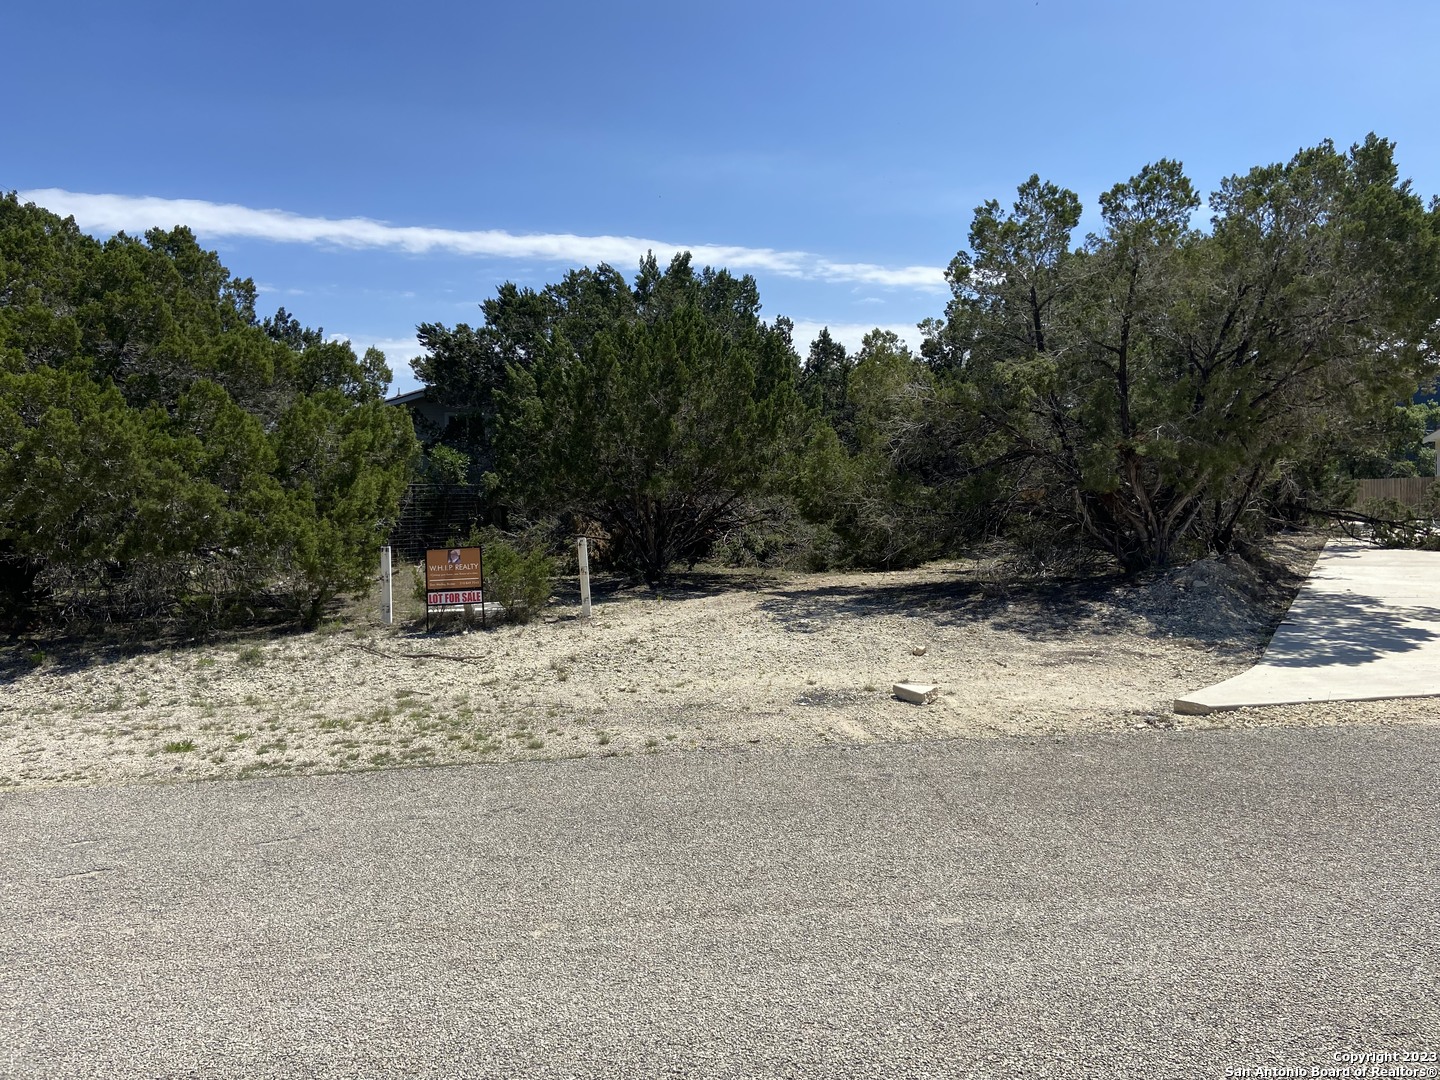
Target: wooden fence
1407 489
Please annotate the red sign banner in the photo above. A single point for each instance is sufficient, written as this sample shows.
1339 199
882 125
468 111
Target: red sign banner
468 596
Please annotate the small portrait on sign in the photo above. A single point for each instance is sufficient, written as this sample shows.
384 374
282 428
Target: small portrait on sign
454 556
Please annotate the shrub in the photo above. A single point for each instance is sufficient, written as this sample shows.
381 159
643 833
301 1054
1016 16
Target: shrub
519 579
771 534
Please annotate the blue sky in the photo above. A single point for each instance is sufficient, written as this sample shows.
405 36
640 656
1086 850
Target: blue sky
375 166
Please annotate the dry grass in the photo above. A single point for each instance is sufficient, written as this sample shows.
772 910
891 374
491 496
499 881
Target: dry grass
713 660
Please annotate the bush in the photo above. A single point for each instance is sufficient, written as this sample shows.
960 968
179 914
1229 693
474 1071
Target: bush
771 534
518 579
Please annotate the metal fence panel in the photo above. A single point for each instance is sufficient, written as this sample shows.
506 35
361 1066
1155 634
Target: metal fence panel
435 515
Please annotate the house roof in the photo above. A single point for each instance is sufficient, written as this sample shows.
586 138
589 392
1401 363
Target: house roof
1433 437
411 398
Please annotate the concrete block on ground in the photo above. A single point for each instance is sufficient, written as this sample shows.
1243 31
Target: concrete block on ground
916 693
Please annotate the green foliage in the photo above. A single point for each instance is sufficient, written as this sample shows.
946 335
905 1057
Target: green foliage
651 414
1390 523
446 466
771 532
875 503
824 380
170 456
466 367
1388 443
343 469
1159 386
518 578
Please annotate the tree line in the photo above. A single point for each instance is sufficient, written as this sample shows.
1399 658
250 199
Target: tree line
1142 394
1146 393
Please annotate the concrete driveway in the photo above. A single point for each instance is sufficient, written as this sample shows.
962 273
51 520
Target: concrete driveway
1365 626
1155 904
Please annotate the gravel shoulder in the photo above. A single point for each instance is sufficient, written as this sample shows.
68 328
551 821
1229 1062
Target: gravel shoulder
718 659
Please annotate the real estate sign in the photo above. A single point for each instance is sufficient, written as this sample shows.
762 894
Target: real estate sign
453 576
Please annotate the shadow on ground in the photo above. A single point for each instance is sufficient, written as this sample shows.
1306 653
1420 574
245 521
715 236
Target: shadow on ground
62 655
1239 602
1350 629
1045 611
693 585
1208 601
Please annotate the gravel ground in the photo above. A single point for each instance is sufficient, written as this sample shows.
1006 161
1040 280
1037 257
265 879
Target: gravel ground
716 660
1144 904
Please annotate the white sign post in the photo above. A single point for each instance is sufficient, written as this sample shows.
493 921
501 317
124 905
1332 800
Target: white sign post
387 595
582 552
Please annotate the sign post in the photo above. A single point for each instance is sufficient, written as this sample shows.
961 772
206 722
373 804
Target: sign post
582 553
387 583
454 577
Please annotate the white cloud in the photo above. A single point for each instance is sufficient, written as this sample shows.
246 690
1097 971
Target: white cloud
851 334
912 277
135 214
398 351
398 354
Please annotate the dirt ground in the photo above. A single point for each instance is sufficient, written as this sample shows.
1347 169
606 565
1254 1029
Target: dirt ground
716 660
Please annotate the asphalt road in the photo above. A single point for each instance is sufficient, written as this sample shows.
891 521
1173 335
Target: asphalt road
1160 904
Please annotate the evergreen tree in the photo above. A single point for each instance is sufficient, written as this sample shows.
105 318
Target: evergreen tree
167 454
